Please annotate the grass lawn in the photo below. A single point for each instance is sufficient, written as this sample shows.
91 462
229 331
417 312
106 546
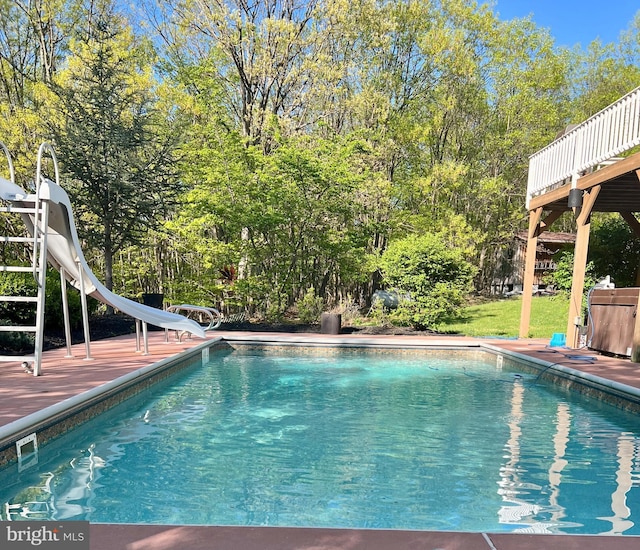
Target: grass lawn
502 318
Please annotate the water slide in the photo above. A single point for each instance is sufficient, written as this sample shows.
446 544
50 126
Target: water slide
63 251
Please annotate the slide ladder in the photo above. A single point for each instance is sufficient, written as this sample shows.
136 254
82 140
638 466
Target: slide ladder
38 211
48 217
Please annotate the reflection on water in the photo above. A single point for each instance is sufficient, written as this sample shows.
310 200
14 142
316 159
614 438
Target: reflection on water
335 442
522 512
60 497
627 450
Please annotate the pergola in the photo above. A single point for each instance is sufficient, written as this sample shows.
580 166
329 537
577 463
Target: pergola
582 172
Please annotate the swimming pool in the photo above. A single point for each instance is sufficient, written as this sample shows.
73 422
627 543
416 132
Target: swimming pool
418 441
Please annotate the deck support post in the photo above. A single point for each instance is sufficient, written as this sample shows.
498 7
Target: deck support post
529 267
536 227
583 220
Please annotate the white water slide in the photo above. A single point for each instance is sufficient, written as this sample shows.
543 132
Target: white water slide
65 254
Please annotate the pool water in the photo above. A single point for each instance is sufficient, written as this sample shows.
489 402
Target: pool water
416 441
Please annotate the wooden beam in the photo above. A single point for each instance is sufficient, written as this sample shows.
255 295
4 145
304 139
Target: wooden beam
552 217
608 173
588 202
529 268
534 223
580 265
577 284
634 224
550 197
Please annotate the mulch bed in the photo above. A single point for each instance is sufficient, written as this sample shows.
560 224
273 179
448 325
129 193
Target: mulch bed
108 326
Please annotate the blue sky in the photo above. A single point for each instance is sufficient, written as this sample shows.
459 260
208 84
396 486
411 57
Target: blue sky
574 21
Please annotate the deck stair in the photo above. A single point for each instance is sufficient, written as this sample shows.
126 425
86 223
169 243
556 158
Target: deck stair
32 209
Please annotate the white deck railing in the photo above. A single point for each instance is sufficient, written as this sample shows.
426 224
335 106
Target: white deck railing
609 133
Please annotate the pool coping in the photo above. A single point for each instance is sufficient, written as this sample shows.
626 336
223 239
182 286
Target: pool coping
54 420
48 422
169 537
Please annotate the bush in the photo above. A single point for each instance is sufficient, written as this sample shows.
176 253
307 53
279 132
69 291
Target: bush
23 284
310 307
435 277
17 342
562 277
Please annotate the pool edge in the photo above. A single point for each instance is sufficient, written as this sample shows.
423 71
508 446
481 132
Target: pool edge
136 537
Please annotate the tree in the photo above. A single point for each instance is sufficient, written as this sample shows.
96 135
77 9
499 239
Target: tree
604 72
614 250
445 101
33 38
298 205
266 55
112 139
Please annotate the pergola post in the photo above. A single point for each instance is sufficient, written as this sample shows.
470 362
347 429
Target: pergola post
536 227
529 268
583 221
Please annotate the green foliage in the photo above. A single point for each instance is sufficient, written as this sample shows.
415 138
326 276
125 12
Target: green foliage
299 142
113 140
17 284
562 277
298 225
435 276
54 312
310 307
614 250
23 284
379 314
16 342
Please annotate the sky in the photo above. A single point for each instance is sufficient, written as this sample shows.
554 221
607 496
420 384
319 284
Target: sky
574 21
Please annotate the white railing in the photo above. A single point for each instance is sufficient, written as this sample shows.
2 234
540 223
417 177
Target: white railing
606 134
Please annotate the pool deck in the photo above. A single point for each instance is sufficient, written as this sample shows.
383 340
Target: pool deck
22 394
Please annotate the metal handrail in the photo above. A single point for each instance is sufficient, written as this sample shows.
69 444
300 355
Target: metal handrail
44 147
608 133
215 318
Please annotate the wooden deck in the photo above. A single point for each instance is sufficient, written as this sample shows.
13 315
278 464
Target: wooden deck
63 378
592 167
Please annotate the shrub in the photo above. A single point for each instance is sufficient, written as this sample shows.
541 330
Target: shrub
562 277
17 342
348 309
23 284
310 307
435 277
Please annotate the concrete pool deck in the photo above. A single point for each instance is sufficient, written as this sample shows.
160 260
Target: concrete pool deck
22 394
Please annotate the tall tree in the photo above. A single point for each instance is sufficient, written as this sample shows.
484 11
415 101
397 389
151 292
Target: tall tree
113 140
267 49
33 38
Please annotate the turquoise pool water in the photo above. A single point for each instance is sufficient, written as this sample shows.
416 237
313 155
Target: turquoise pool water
346 440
